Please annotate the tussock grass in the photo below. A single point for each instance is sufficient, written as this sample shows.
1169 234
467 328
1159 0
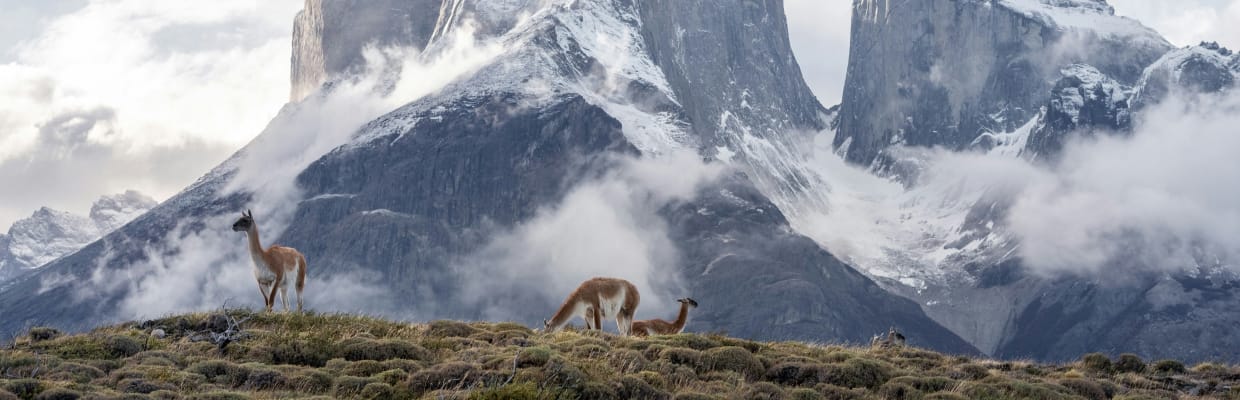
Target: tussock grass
355 357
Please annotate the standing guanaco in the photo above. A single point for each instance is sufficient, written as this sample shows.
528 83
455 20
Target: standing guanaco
275 267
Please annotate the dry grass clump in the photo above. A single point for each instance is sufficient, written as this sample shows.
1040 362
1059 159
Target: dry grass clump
341 356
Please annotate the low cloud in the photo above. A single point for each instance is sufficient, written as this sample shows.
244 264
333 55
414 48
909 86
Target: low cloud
70 162
1162 200
182 85
606 227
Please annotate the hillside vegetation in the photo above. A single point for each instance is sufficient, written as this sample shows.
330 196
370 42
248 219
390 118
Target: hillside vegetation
273 355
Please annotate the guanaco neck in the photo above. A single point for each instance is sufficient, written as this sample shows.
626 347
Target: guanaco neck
256 248
562 316
681 319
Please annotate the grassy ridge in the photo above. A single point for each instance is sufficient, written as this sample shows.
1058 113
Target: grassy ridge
343 356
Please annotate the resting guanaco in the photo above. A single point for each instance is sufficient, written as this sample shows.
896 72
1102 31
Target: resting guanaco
596 299
660 327
274 268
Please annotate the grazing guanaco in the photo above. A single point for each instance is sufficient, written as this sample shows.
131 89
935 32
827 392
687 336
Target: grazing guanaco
274 268
596 299
660 327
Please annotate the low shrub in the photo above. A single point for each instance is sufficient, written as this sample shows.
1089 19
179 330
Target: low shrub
925 384
1087 389
135 385
377 390
732 358
524 391
444 329
265 379
634 387
681 356
1002 388
598 390
1210 369
804 394
43 333
899 391
1130 363
382 350
75 372
219 396
1096 362
695 342
312 381
221 372
300 352
859 372
798 373
392 376
25 388
944 396
443 376
763 391
974 372
533 356
58 394
350 386
626 360
832 392
1168 367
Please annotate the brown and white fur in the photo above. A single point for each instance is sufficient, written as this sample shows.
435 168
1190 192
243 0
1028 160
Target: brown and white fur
596 299
657 326
276 267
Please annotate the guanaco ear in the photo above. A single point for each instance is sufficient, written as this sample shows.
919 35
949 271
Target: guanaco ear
249 213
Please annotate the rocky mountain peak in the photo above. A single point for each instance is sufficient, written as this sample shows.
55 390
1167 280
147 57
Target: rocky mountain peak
1205 68
944 72
113 211
49 234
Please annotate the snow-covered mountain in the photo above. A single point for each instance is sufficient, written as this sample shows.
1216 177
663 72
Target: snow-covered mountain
941 72
49 234
1004 86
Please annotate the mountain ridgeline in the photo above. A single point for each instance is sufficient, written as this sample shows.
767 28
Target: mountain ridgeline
406 202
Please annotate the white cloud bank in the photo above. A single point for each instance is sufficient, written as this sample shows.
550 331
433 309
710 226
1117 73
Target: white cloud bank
1161 200
1164 199
154 92
608 227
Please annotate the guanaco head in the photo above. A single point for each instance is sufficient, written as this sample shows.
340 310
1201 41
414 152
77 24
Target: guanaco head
546 326
246 221
690 302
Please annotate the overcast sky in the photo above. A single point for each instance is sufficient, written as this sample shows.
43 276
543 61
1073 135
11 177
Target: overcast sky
100 96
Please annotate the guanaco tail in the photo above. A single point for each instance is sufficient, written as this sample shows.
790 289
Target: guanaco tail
274 268
660 327
596 299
